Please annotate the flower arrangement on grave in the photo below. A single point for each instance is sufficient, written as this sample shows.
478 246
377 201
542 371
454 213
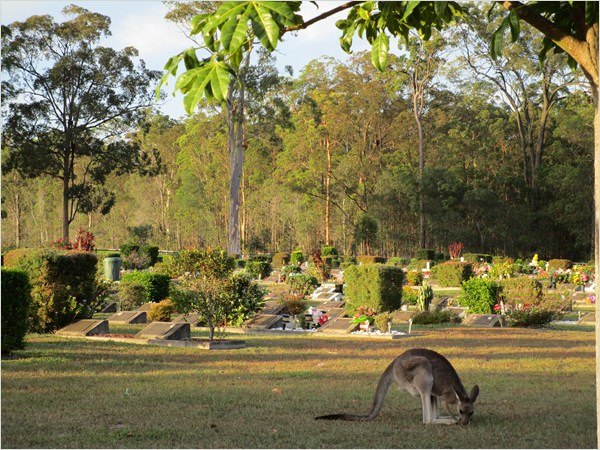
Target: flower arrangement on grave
455 250
365 316
295 305
591 299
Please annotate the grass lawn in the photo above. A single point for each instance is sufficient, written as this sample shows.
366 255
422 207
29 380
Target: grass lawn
537 390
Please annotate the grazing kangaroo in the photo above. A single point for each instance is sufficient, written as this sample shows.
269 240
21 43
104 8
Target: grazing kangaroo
424 373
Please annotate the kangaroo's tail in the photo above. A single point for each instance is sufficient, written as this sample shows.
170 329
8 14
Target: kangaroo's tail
382 387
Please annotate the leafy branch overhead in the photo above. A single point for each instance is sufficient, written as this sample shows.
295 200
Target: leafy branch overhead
229 32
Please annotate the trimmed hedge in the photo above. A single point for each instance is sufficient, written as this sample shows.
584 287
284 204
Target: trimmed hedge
297 257
257 268
157 285
425 253
453 273
330 256
434 317
366 259
280 259
16 298
479 295
398 261
63 287
478 257
12 258
522 290
562 264
150 251
373 285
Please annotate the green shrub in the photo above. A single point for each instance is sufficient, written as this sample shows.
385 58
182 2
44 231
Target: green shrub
382 320
16 298
425 296
162 311
409 296
211 263
425 254
240 263
477 257
414 278
347 261
258 269
156 284
434 317
453 273
247 298
302 284
373 285
131 295
297 257
328 250
280 259
522 290
563 264
136 260
502 260
367 259
441 257
501 270
330 256
151 251
263 258
129 247
12 257
479 295
398 261
63 287
419 264
290 269
529 317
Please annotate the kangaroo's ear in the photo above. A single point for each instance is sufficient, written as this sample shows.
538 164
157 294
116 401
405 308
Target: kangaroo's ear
474 393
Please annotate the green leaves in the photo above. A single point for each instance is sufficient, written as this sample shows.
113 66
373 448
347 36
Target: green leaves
512 22
379 51
211 81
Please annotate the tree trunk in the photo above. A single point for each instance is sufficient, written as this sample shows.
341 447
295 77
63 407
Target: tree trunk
243 224
17 219
422 234
597 237
65 206
236 159
328 193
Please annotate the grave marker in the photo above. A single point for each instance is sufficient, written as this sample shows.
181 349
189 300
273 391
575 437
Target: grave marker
265 321
192 318
166 330
272 307
110 308
483 320
341 325
129 317
86 327
145 307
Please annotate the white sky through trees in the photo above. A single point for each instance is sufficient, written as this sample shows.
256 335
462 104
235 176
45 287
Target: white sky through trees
141 24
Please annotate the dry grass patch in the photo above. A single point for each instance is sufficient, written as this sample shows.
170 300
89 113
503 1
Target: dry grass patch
537 390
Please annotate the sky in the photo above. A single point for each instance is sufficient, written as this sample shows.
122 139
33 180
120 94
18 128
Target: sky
141 24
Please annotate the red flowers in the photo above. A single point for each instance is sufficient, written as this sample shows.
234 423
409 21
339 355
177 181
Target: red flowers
323 319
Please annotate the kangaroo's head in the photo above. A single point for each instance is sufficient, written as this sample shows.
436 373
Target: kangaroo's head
465 405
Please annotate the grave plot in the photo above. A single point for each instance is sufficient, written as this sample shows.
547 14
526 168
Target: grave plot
129 317
192 318
86 327
272 307
264 322
145 307
588 318
110 308
483 320
166 331
404 316
341 325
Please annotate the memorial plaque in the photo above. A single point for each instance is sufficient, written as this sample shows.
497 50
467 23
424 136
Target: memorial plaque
265 321
272 307
145 307
110 308
341 325
86 327
192 318
403 316
328 297
331 304
483 320
128 317
166 330
334 313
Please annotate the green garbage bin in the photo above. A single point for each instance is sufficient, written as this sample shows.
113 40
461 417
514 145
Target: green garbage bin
112 268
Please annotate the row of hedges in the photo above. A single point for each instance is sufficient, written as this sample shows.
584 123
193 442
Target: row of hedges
145 251
16 298
156 285
373 285
452 273
63 286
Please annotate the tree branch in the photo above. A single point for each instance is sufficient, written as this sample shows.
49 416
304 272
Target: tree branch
320 17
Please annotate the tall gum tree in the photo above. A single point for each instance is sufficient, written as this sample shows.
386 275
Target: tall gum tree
67 116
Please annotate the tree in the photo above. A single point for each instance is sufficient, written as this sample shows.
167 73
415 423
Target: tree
70 101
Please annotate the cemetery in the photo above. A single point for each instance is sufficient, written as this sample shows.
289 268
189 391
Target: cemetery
235 244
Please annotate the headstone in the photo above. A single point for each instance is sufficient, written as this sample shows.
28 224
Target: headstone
272 307
264 321
86 327
341 325
403 316
145 307
110 308
192 318
483 320
129 317
166 330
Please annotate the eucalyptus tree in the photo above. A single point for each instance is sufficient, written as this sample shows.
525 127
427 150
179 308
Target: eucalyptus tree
70 103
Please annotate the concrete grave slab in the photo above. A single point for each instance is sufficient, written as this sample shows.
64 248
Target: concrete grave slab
331 304
264 321
129 317
483 320
341 325
403 316
272 307
587 318
192 318
328 296
334 313
86 327
145 307
110 308
166 330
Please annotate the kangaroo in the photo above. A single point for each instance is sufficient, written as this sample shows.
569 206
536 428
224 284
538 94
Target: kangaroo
425 373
